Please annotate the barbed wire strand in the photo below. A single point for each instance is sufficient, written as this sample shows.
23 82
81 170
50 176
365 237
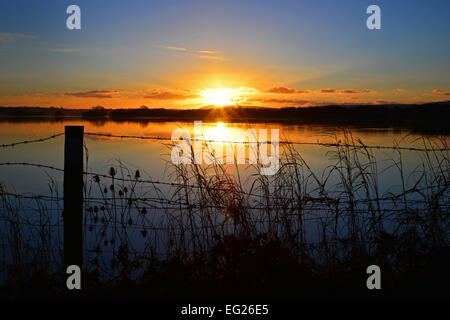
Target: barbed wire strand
268 142
323 144
176 184
31 141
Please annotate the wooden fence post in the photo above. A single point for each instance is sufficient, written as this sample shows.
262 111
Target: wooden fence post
73 196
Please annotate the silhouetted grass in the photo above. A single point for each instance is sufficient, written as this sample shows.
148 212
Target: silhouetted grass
299 233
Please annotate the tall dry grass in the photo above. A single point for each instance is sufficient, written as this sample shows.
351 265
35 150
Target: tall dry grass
211 217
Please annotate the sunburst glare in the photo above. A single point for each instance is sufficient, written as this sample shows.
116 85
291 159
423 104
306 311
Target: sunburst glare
219 97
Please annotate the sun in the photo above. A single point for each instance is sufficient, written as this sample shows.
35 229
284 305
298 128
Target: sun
219 97
216 132
220 133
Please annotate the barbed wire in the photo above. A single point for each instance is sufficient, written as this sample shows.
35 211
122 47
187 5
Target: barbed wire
323 144
38 165
177 205
31 141
109 224
31 196
339 144
185 185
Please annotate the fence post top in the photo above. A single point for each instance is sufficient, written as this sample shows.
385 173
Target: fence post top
74 130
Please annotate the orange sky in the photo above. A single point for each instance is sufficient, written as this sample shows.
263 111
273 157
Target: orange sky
278 96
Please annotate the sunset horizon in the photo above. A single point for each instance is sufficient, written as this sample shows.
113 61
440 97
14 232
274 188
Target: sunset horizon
228 106
271 57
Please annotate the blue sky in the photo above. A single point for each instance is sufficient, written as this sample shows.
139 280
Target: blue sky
136 49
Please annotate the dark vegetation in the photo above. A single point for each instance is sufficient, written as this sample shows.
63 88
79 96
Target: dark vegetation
426 118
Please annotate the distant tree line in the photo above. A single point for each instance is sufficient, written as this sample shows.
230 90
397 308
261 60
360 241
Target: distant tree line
432 117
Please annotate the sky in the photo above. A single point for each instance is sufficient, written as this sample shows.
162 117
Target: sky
188 54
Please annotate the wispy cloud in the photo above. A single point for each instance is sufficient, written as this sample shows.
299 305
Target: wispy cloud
346 91
168 95
205 51
285 90
281 101
172 48
102 94
355 91
8 36
200 54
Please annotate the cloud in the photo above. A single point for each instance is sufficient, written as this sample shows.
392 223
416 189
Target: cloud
155 94
327 91
8 36
441 92
285 90
399 90
172 48
353 91
200 54
284 101
216 58
346 91
385 102
102 94
167 95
